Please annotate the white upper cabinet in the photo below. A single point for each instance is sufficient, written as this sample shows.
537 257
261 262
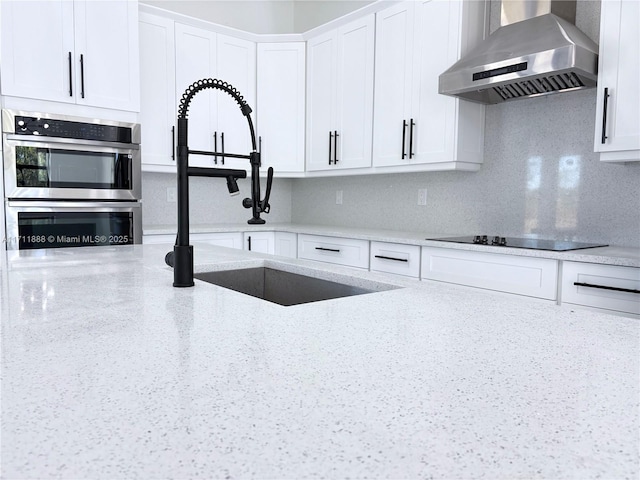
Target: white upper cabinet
196 60
414 126
158 109
281 105
237 66
617 133
215 120
81 52
340 96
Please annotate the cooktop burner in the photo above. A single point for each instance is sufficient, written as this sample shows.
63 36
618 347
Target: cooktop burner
531 243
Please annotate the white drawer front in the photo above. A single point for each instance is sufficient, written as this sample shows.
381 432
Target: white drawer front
395 258
534 277
222 239
601 278
155 239
343 251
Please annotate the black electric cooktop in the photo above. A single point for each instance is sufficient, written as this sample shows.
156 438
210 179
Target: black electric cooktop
530 243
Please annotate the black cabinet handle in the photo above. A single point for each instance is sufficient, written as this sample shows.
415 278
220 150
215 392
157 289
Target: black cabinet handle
222 144
605 287
330 142
215 147
391 258
335 147
173 143
70 76
328 249
411 138
249 242
605 106
260 144
82 75
404 138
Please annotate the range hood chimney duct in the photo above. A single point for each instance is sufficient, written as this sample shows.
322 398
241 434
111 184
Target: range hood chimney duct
537 51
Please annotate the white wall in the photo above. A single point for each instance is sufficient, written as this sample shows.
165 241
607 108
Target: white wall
256 16
309 14
263 16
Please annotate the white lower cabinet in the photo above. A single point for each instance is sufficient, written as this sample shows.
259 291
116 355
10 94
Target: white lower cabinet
608 287
261 242
534 277
221 239
342 251
286 244
395 258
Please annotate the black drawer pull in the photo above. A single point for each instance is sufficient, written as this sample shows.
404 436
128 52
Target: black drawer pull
392 258
604 287
328 249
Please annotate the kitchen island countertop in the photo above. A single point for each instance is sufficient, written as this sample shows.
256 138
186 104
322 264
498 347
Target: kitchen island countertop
110 372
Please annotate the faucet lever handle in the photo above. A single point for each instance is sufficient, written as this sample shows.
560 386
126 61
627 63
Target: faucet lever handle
264 205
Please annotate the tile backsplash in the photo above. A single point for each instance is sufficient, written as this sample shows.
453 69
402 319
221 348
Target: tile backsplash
540 176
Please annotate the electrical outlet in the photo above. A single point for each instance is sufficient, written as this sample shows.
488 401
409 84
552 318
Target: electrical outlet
422 196
172 194
338 197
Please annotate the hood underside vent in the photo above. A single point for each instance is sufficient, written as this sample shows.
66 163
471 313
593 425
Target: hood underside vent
536 56
539 86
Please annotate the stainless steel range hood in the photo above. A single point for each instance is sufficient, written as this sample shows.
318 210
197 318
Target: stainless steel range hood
537 51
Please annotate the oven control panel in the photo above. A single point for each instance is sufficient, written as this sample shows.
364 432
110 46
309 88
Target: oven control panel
49 127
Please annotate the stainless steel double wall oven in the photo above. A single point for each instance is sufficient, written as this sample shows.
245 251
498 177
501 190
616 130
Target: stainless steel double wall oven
70 181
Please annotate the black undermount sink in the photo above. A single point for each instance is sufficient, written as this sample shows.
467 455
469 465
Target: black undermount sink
283 288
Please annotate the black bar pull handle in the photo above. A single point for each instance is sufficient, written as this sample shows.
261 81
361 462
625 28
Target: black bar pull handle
70 76
605 106
383 257
335 147
173 143
82 75
330 142
260 144
222 144
249 242
605 287
404 138
328 249
411 138
215 147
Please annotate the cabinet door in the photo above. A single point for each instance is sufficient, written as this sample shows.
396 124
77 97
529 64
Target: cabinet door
433 114
196 60
321 87
619 73
392 104
280 105
286 244
354 93
106 46
262 242
236 65
158 109
37 50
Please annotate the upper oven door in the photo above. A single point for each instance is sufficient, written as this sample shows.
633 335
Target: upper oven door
39 168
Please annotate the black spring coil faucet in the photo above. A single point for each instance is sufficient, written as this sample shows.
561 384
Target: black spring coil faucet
181 258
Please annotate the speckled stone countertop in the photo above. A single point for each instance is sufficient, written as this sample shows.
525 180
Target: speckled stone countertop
108 372
612 255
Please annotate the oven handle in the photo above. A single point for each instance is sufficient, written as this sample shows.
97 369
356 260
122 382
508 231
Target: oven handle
51 142
71 205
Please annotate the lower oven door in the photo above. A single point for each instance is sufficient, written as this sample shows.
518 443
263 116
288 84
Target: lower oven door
60 224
